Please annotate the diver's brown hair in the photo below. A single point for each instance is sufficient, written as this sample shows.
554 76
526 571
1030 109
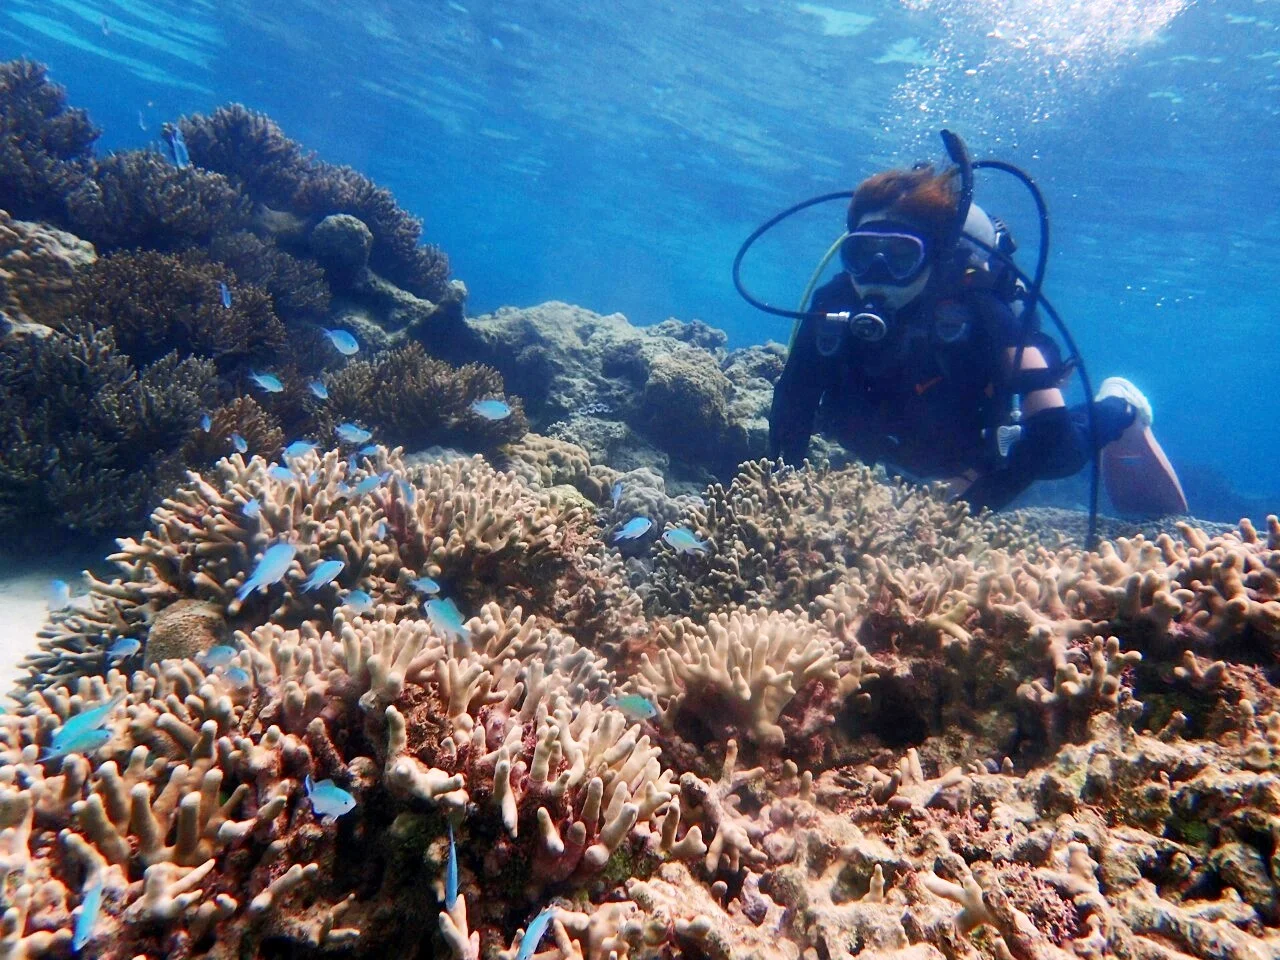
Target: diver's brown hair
922 197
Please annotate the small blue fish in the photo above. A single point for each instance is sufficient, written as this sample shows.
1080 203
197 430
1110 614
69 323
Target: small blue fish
253 508
343 342
283 474
491 409
342 489
406 491
533 935
177 147
267 381
124 648
218 656
359 601
425 585
240 443
206 422
615 495
319 389
226 294
323 574
315 475
84 722
352 464
83 743
682 540
299 448
328 799
90 907
59 595
446 618
238 677
634 528
370 484
380 531
350 433
270 569
451 874
634 706
368 451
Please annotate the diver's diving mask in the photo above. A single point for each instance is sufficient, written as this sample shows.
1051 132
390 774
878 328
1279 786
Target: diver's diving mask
891 257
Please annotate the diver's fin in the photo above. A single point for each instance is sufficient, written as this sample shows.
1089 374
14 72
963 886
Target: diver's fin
1138 476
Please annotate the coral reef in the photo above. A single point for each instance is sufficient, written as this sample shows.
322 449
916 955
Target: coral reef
964 744
347 701
38 269
155 303
272 169
46 147
416 401
88 439
612 388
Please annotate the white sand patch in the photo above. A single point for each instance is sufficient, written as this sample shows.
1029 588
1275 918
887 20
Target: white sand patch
24 604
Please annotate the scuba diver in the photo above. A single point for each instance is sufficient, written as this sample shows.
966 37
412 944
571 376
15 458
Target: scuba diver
925 352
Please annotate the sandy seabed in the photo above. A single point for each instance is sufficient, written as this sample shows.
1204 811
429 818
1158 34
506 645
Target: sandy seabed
24 599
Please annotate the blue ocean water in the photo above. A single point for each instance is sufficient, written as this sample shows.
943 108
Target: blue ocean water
614 155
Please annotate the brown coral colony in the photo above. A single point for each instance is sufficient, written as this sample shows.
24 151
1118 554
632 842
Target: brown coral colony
857 722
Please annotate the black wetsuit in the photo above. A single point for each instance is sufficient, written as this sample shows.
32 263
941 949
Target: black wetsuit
924 399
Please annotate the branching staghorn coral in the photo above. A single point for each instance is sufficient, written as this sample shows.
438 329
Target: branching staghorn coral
297 286
782 536
139 199
158 302
418 401
46 147
251 149
483 535
88 440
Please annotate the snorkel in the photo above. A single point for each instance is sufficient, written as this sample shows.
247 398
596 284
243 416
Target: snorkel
869 325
